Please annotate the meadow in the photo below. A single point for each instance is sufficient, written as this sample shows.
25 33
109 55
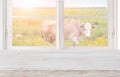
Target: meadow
30 30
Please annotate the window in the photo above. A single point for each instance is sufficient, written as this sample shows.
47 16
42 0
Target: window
43 24
92 19
26 20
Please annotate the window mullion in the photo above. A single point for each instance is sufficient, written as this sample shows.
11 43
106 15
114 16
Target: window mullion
33 16
60 24
110 24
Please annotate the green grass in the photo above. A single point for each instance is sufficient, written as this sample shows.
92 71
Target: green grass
30 42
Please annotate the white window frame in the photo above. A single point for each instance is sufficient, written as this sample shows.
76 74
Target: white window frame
60 33
1 24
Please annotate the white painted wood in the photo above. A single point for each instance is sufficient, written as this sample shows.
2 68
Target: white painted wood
86 16
60 24
118 24
110 24
115 23
4 25
34 16
60 13
94 60
1 24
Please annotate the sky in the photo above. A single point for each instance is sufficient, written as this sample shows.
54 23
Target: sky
52 3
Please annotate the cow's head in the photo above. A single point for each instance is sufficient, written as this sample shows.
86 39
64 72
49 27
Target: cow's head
87 27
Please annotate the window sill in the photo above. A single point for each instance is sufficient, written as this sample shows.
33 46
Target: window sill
102 60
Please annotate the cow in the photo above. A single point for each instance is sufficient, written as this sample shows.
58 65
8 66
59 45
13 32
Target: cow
48 30
74 30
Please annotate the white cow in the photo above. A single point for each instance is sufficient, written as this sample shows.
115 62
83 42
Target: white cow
73 30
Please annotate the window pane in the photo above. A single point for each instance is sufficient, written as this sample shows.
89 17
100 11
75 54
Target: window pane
33 32
77 34
32 22
86 23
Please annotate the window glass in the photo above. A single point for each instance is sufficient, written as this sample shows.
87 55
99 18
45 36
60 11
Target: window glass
86 23
33 22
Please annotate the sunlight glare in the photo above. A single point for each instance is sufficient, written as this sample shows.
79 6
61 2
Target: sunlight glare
25 3
28 3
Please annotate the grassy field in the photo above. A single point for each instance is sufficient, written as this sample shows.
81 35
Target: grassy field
29 28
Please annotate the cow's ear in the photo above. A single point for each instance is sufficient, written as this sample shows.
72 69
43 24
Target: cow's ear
93 26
